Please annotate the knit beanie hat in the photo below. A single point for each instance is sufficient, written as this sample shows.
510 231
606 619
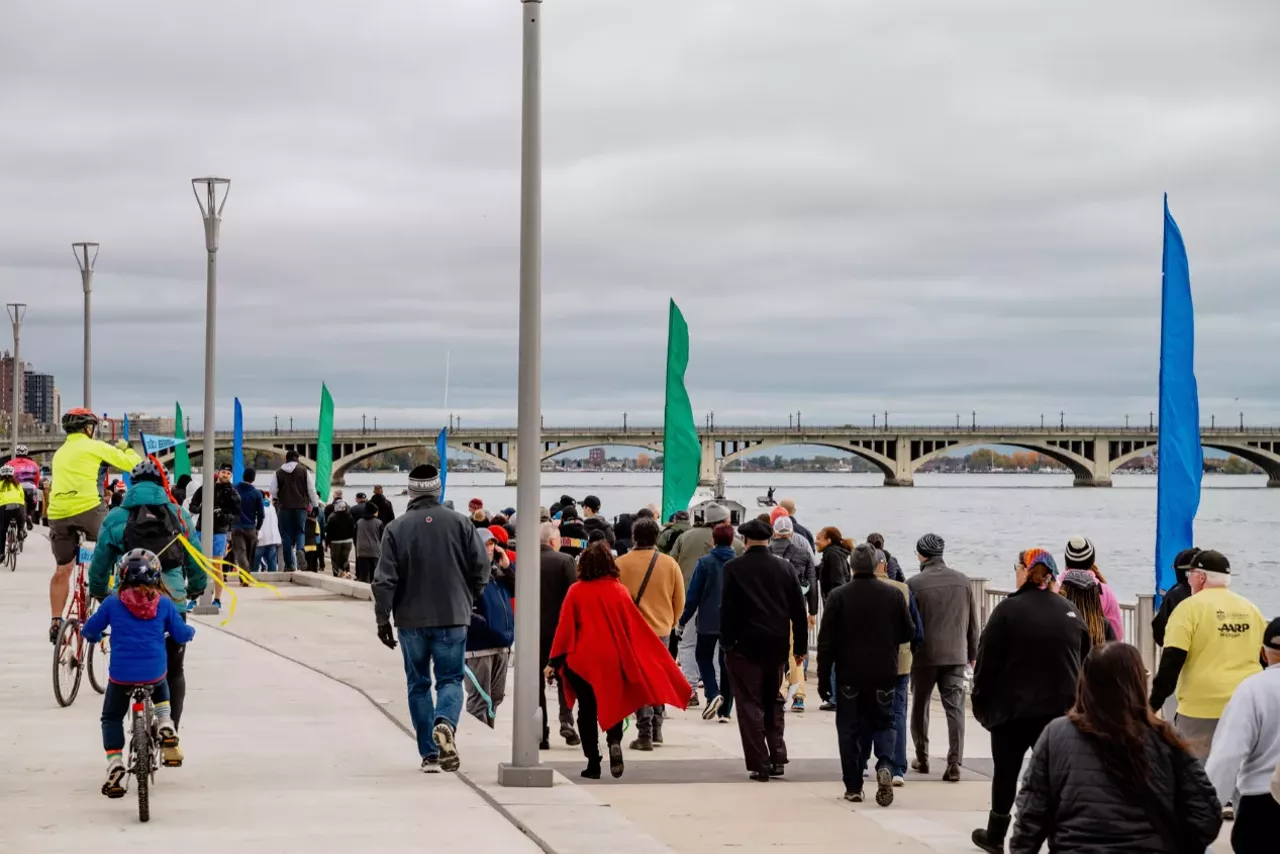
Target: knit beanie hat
1081 579
1080 553
714 514
424 480
930 545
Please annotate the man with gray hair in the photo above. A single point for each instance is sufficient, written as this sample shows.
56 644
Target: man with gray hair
431 569
557 572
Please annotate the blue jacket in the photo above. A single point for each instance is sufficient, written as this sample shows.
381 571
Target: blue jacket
187 582
137 645
251 508
705 590
493 624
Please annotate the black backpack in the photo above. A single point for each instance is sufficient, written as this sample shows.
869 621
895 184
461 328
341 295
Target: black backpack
155 527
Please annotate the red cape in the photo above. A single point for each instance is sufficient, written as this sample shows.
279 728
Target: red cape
605 640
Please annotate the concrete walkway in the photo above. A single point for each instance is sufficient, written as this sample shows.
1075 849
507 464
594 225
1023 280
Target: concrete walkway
279 758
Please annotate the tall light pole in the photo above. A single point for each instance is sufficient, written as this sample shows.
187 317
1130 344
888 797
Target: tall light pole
86 255
17 311
207 192
524 770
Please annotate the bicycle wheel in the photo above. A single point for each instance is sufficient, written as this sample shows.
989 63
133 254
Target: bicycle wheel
140 747
99 664
66 662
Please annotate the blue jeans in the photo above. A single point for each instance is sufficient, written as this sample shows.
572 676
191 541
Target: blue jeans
441 650
900 726
705 652
264 559
293 525
115 705
864 721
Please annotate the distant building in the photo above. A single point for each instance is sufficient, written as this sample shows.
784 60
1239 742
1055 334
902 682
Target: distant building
6 384
140 422
643 461
595 457
40 397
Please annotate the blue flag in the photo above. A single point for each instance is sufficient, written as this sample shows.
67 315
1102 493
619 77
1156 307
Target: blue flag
1181 457
128 481
237 446
442 445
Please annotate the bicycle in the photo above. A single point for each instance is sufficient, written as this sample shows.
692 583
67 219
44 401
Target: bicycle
144 747
11 548
70 650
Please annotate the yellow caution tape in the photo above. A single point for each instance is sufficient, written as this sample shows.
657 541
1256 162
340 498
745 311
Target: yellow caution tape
219 576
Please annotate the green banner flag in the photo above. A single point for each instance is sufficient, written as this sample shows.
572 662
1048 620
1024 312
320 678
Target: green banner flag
324 445
681 451
181 459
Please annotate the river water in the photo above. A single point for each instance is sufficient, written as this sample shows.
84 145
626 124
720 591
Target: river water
986 519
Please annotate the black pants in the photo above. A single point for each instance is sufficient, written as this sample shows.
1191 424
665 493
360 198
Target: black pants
364 569
566 714
12 514
757 694
589 719
177 677
313 560
1009 744
1257 825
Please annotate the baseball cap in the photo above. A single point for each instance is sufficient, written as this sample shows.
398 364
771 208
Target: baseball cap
1271 636
591 501
1212 561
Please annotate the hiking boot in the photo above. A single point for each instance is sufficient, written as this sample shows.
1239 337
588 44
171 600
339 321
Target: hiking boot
855 797
545 744
657 734
991 839
431 765
713 706
592 771
569 735
644 744
952 774
113 787
442 733
616 765
171 757
884 787
920 766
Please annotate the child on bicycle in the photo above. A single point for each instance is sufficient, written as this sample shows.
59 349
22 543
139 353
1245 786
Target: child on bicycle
139 614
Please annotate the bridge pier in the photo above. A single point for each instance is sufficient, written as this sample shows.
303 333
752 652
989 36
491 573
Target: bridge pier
708 468
512 473
903 473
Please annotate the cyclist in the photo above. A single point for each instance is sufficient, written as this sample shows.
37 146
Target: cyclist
138 615
75 504
28 472
148 520
13 506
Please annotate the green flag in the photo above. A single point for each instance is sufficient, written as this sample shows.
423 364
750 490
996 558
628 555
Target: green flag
681 451
324 445
181 459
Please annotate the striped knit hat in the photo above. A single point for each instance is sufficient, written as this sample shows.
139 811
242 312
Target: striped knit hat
930 545
1080 553
424 480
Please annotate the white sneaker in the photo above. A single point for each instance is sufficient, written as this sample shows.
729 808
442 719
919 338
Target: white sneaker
713 706
898 781
166 733
113 787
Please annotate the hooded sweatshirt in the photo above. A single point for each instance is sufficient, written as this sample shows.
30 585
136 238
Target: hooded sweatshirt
138 625
182 582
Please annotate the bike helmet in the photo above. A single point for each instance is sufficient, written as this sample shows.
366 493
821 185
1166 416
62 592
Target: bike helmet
147 470
21 451
7 471
138 567
75 420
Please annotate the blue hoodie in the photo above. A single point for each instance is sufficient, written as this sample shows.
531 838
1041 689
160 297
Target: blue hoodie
705 590
252 511
137 643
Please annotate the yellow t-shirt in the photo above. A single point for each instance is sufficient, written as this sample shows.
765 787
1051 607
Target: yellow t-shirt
1222 634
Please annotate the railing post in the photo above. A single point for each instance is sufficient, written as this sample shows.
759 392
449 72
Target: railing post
978 587
1143 638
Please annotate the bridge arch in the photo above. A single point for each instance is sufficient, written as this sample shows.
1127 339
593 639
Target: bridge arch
343 464
882 462
1081 463
566 447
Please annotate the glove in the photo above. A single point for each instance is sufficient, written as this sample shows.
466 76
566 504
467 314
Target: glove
385 635
122 445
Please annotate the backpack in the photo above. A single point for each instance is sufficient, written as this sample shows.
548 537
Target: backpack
155 527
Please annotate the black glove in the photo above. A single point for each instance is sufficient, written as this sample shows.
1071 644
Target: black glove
385 635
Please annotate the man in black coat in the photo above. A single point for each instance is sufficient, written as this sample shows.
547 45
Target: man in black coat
864 625
386 513
762 619
557 572
1175 595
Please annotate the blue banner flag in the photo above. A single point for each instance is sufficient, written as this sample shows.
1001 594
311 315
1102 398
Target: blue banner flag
155 444
237 446
128 481
1181 457
442 445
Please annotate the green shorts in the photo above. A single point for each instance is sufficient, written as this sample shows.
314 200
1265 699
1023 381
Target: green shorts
65 534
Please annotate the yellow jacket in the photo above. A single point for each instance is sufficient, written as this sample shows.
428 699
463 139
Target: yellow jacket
75 473
11 493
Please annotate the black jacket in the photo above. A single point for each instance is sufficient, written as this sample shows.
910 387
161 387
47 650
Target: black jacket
599 523
806 574
834 570
386 514
1072 801
573 537
865 623
622 531
1176 595
556 573
226 507
1028 658
340 526
762 612
802 531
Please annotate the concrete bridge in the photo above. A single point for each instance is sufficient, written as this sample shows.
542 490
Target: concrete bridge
1092 453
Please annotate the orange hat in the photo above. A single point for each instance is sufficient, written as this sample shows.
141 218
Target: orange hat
500 534
776 512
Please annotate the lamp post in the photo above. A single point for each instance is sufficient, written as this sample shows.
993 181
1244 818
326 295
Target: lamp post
211 196
524 770
975 421
873 421
624 422
86 254
17 311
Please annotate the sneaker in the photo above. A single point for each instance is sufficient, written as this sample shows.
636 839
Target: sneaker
1228 812
797 705
855 797
884 787
113 787
616 765
171 757
443 735
725 719
166 733
431 765
952 774
54 627
920 766
694 702
569 735
643 744
899 781
217 603
827 706
713 706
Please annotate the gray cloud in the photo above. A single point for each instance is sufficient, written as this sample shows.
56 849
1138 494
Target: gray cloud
924 208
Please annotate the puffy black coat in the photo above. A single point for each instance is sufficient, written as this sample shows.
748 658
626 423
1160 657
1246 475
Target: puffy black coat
599 523
1028 658
835 570
1070 800
1177 594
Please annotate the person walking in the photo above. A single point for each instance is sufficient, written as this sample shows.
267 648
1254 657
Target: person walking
1029 658
833 571
386 513
1246 753
894 569
294 487
702 612
1083 590
340 531
244 530
490 636
226 509
950 615
1175 595
796 552
863 626
905 653
762 620
431 570
657 588
269 540
593 521
369 533
557 573
1111 776
693 545
674 529
801 531
1080 554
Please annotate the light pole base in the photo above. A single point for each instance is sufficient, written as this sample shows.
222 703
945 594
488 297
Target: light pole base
537 777
205 610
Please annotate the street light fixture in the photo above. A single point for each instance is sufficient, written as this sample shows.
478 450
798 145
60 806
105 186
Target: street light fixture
17 311
211 196
86 255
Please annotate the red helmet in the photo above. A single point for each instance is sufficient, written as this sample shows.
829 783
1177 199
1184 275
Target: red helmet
75 420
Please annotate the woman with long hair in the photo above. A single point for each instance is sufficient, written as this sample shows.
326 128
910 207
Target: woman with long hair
835 568
1025 676
1081 554
609 659
1111 776
1082 589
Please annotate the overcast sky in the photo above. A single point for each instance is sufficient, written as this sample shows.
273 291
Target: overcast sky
925 208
